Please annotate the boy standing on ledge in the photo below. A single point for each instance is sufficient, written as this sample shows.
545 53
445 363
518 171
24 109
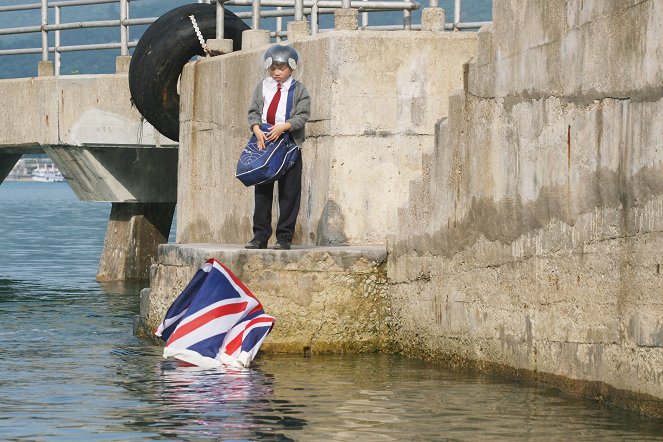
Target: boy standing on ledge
269 107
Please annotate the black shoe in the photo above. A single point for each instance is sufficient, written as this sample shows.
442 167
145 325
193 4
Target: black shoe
282 245
255 244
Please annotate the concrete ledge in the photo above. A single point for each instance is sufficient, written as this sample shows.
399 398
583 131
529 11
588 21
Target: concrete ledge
125 174
323 298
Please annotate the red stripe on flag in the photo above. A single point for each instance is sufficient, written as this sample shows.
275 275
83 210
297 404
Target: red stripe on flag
211 315
258 307
237 341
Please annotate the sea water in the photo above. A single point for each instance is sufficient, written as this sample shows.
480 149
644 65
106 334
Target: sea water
70 368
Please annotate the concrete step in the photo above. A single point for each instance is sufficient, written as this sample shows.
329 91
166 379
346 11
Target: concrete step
324 299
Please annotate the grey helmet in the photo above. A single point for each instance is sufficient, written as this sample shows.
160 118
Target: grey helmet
285 54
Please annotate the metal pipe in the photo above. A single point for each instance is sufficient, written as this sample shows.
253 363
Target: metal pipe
279 24
126 22
299 10
255 14
357 4
84 25
456 14
141 21
315 20
44 32
433 4
91 47
124 37
220 20
56 44
61 4
24 30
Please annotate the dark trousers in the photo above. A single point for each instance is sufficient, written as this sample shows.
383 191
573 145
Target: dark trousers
290 194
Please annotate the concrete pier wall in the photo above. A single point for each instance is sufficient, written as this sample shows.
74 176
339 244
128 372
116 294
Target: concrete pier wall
106 151
375 99
324 299
523 231
72 110
539 217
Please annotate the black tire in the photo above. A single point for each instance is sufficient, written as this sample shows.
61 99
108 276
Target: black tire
163 50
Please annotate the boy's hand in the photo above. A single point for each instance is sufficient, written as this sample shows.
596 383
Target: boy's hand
260 137
277 130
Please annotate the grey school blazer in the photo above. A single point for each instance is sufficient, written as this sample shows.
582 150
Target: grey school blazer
301 109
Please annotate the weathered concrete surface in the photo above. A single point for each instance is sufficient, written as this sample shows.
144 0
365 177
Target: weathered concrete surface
101 144
118 173
533 239
324 298
72 110
134 232
375 99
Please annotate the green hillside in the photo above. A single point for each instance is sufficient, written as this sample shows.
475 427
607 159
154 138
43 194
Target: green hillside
104 61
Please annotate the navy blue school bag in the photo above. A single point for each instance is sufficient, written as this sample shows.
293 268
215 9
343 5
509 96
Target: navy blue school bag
257 166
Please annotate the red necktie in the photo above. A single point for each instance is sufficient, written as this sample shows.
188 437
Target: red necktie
271 111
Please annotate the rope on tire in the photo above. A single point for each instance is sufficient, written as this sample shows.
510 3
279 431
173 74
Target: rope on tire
200 35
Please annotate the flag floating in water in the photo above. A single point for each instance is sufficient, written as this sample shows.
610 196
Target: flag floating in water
215 321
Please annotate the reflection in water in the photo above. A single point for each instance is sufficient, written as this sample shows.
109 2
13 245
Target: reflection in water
70 368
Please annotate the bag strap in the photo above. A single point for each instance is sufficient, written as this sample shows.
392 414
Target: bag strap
291 94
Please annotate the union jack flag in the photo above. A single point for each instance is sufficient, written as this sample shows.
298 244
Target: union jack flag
215 321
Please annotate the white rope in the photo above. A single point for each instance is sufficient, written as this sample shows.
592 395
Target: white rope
200 35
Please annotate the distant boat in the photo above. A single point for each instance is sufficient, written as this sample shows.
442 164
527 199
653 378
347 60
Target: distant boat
47 175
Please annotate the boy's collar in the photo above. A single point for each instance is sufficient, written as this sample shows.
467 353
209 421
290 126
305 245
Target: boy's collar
286 84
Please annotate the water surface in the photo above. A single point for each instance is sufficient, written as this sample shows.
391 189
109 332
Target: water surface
70 368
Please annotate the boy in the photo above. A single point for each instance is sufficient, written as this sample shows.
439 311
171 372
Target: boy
269 107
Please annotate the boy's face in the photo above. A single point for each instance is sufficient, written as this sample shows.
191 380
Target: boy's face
280 72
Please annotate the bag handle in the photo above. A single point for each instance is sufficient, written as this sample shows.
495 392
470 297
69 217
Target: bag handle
291 94
288 107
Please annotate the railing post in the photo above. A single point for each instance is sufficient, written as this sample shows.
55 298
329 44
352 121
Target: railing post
123 61
56 49
255 37
255 15
124 37
364 18
433 17
346 18
44 32
299 10
220 20
45 68
298 28
456 14
219 44
315 25
407 19
279 25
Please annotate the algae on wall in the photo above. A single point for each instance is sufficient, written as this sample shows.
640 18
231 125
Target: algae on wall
540 211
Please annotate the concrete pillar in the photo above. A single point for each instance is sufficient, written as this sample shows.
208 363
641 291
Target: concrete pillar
254 38
45 69
433 19
346 19
298 30
220 46
122 63
7 163
134 232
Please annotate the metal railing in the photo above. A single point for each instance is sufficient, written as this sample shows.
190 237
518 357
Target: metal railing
298 9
